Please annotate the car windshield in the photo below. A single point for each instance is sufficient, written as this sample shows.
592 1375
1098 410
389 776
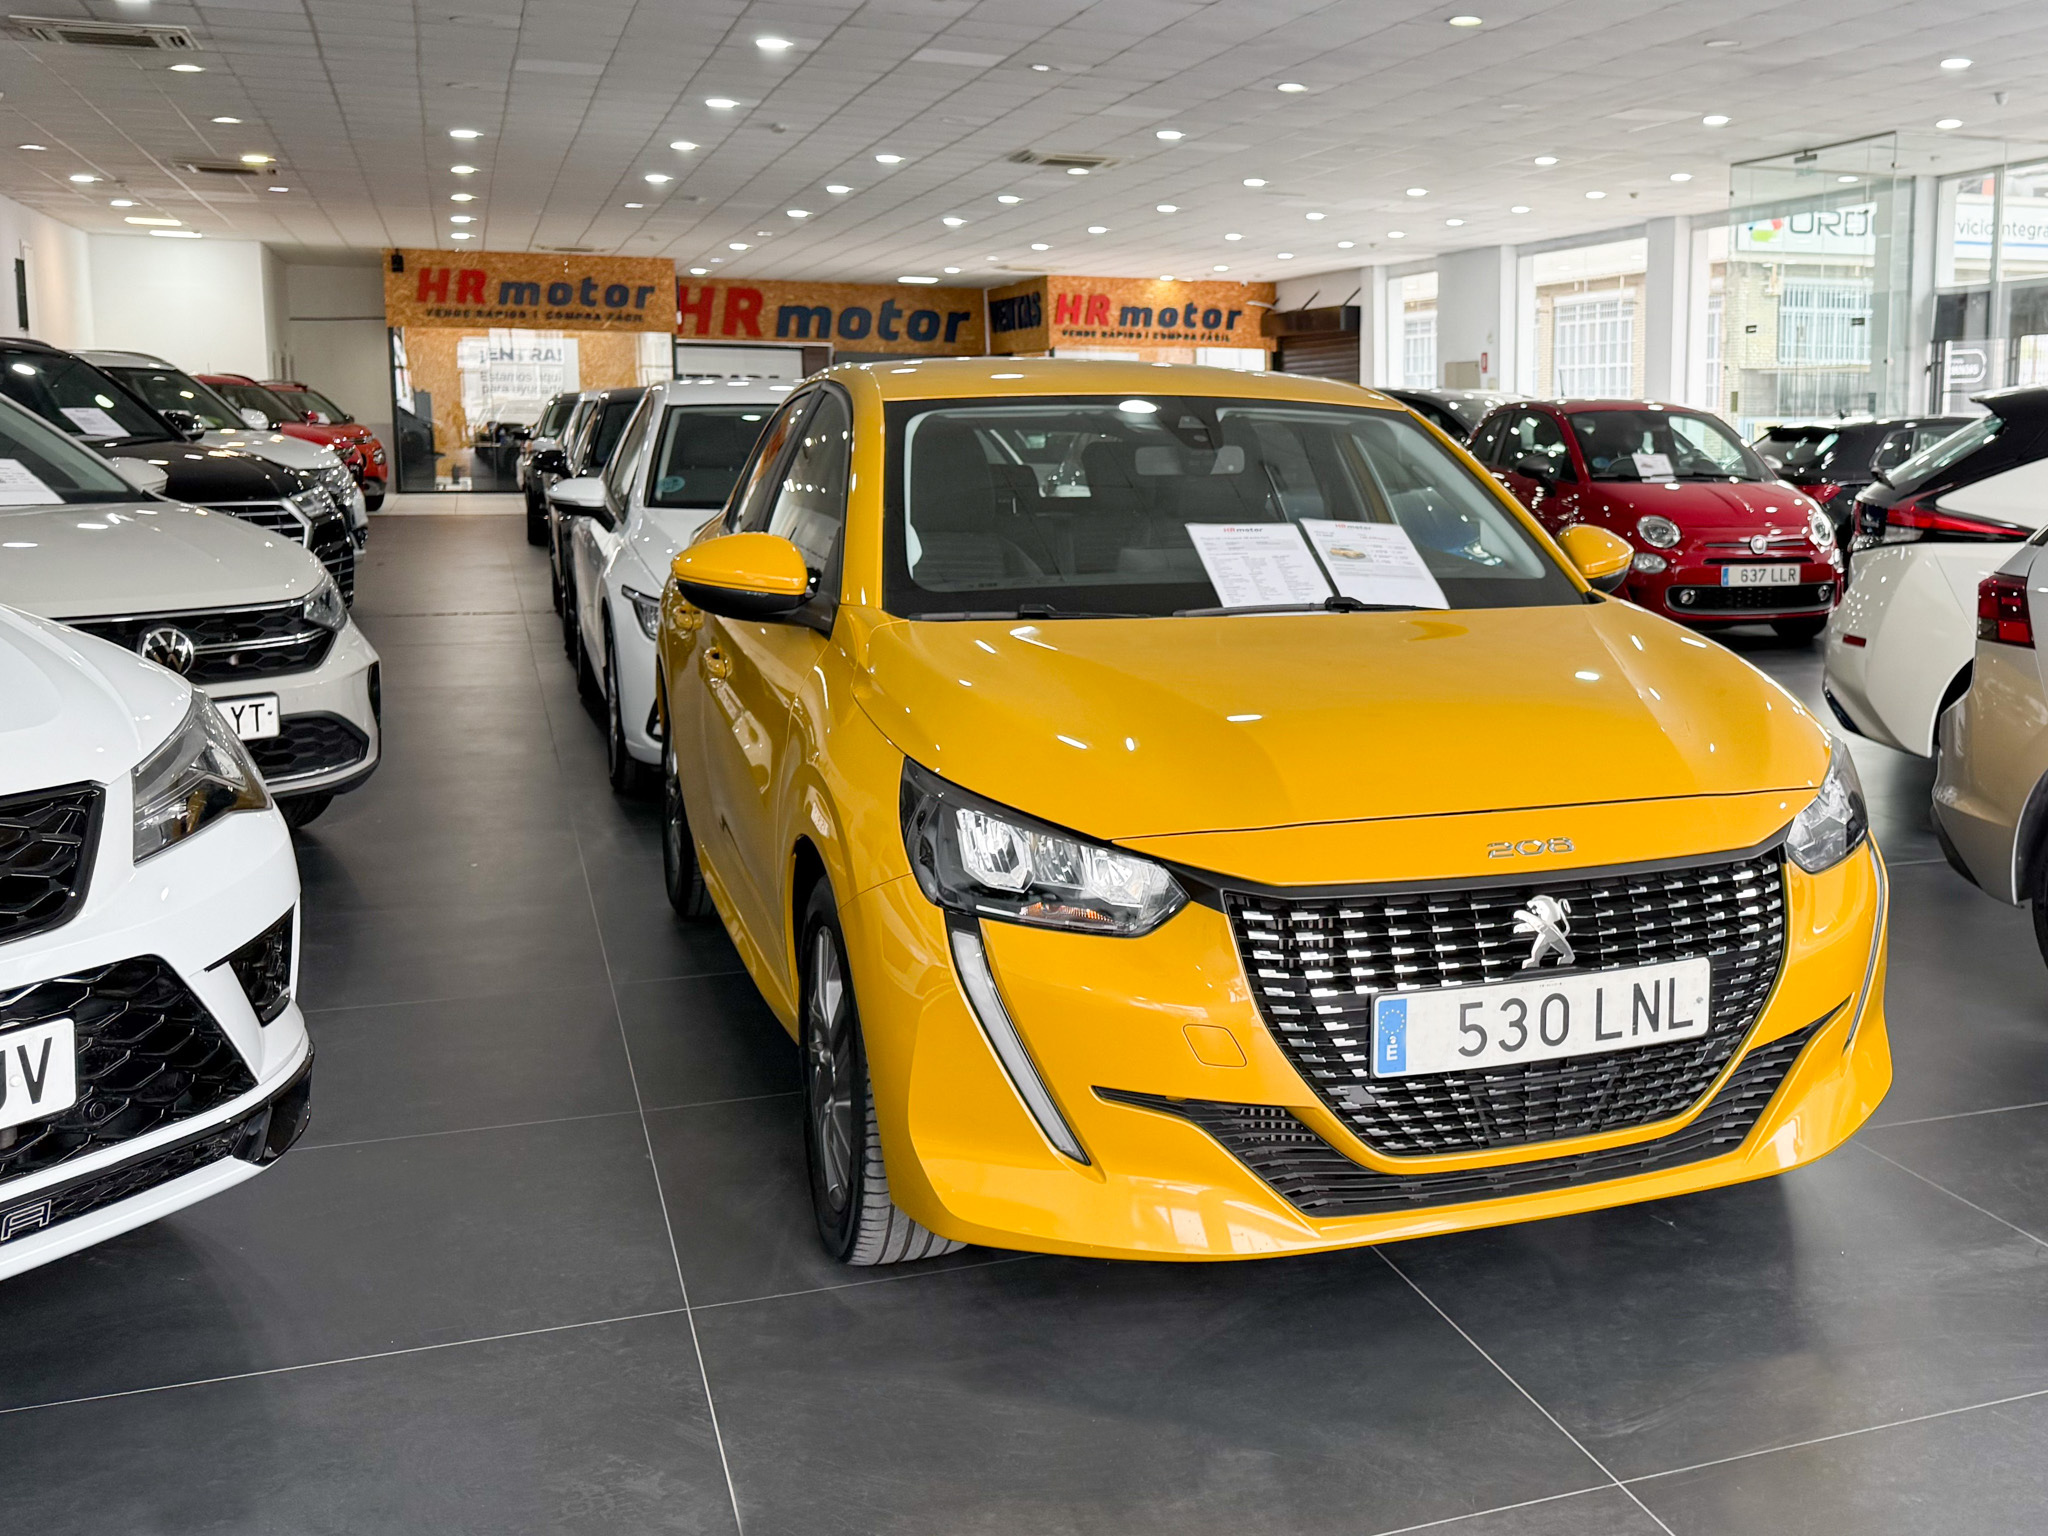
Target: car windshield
72 394
254 397
1954 448
1168 505
701 452
41 467
1662 445
1796 448
556 417
316 401
169 390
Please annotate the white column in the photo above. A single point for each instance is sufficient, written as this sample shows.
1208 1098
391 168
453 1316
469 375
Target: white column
1375 346
1667 308
1475 317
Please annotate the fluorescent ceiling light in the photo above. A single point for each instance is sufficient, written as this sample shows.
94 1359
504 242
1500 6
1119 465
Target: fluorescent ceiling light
1397 234
273 187
737 245
82 177
468 218
462 234
1455 223
1219 267
921 280
175 234
1077 170
37 147
952 269
1008 197
122 202
1848 180
699 271
453 133
636 205
167 223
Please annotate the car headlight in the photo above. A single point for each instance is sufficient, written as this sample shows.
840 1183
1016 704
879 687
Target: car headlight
975 857
1820 529
198 776
1659 531
647 610
324 605
1835 822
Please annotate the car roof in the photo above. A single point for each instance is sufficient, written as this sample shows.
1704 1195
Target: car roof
231 378
719 392
107 359
955 378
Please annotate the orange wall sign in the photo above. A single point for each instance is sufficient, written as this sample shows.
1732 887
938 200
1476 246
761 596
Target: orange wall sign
537 291
1046 313
854 317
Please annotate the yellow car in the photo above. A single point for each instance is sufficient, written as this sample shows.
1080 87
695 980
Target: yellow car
1193 814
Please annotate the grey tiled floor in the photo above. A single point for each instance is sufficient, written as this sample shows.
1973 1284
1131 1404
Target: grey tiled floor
544 1263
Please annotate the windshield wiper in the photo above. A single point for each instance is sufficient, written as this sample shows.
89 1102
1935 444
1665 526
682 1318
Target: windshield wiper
1327 605
1028 611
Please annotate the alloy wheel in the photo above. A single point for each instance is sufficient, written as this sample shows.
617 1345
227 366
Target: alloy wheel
828 1035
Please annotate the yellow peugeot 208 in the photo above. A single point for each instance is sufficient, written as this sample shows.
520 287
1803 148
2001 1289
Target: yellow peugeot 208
1193 814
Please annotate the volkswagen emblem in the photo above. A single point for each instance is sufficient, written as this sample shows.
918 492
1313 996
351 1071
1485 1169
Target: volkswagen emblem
1545 920
167 647
1759 542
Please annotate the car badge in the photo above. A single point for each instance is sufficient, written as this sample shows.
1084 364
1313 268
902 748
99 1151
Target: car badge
1759 542
168 647
1545 919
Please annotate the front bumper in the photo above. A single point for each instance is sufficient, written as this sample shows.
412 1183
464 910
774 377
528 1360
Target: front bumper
330 737
634 664
1691 590
1139 1042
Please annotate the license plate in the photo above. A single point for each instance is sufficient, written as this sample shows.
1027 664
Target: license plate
38 1072
254 718
1566 1013
1760 575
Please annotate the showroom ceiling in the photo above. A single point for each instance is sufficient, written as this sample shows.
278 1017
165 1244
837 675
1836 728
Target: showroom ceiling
577 101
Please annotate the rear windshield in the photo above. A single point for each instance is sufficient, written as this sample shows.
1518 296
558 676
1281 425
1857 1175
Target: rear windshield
1662 445
41 467
1953 449
72 394
1163 505
169 390
701 452
255 397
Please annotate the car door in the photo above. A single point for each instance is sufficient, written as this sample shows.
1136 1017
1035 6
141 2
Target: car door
597 537
1534 461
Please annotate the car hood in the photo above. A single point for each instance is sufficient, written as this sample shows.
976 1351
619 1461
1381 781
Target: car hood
1132 728
1711 508
293 452
203 472
143 557
74 708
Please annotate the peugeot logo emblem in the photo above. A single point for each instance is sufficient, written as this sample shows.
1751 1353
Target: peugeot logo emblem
1545 920
167 647
1759 542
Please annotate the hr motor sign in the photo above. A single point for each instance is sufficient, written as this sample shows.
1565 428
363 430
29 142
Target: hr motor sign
485 289
854 317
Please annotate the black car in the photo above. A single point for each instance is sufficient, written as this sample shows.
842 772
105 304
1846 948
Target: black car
90 404
1834 461
541 450
586 453
1457 411
1955 491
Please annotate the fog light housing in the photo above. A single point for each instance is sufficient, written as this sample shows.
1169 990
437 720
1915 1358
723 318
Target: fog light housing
1683 597
264 968
1649 564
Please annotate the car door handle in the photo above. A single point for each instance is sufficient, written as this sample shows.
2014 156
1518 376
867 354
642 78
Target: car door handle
716 667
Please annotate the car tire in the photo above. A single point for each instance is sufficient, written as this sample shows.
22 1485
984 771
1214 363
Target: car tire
858 1222
681 875
588 686
372 503
1801 630
626 772
536 522
300 809
2037 898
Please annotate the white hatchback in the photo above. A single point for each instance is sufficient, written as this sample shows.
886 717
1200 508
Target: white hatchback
152 1052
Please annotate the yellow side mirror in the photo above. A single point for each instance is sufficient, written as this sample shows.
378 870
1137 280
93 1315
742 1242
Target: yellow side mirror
743 575
1601 557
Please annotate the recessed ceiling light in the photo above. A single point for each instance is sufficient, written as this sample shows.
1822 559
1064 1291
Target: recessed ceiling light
1008 197
636 205
656 179
1345 245
1454 223
838 189
1596 196
453 170
1233 235
1946 123
1546 159
798 213
227 119
1465 21
1418 191
1166 207
1077 170
1169 134
1290 86
82 177
1848 180
772 44
462 234
175 234
737 245
1714 120
1283 255
1041 69
1036 245
1315 216
764 233
1219 267
470 218
952 221
1723 42
699 271
952 269
683 146
188 69
166 223
274 187
453 133
121 202
1255 181
720 103
888 159
1397 234
37 147
1957 63
1681 175
917 279
461 197
716 260
1098 229
1168 277
1519 208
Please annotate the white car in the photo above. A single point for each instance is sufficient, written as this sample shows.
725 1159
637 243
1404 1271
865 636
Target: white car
177 395
1899 649
243 612
674 466
152 1052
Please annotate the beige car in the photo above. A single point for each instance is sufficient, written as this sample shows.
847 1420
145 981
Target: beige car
1991 747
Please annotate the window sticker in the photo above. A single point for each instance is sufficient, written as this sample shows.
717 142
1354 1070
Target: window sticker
1258 565
1654 466
93 422
21 486
1374 563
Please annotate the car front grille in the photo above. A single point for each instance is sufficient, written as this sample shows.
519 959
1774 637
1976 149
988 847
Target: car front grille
1321 1182
1813 595
46 848
149 1054
1316 964
229 644
316 518
306 745
278 516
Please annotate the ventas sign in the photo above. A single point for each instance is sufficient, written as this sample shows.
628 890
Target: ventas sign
484 289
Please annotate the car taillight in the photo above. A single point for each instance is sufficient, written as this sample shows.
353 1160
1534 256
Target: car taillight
2002 611
1906 523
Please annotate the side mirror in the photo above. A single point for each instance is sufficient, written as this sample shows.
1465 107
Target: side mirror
582 495
1537 468
536 446
188 425
550 460
1601 557
315 419
146 477
743 576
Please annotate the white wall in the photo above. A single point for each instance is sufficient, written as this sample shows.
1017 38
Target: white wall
334 339
59 271
201 304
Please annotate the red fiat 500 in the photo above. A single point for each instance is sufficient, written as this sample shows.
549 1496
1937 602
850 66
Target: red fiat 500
297 411
1719 538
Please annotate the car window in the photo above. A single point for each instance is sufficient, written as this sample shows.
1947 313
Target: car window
1656 444
700 453
1486 441
618 474
606 426
326 407
1896 448
255 397
169 390
1085 504
1535 435
41 466
810 507
1797 448
751 506
559 410
73 395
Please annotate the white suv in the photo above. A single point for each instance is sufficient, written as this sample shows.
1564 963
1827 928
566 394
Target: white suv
246 614
151 1051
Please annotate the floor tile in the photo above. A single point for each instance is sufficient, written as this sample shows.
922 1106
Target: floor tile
1602 1512
403 954
696 1039
1998 1161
